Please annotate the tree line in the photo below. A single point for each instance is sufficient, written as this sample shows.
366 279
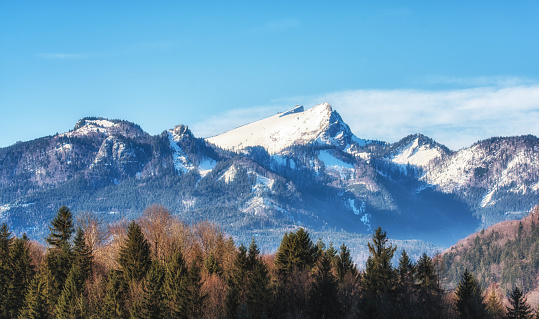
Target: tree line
159 267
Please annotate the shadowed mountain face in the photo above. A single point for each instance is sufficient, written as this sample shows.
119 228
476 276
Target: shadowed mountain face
298 168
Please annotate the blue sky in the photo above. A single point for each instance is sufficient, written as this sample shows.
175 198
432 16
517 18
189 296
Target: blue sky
456 71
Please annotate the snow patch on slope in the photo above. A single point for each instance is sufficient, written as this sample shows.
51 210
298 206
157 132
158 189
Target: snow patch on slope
414 154
281 131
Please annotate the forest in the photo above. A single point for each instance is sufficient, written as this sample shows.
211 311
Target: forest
160 267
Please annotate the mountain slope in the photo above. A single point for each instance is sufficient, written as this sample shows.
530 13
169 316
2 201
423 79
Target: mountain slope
320 125
506 253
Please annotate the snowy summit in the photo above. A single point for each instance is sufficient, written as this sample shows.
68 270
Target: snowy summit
319 124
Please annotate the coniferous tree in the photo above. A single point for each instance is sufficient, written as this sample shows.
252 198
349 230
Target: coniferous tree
405 287
21 272
72 303
469 300
35 304
257 295
5 270
212 265
62 228
175 287
58 260
82 254
134 256
344 263
114 301
519 308
237 281
152 306
494 306
379 278
296 251
323 301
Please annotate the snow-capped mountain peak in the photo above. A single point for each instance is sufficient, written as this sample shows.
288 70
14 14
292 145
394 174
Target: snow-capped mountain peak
417 150
320 125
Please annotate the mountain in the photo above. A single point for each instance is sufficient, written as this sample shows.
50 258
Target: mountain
297 168
506 253
320 125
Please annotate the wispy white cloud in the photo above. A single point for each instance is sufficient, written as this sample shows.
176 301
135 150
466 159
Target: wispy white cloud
62 56
456 118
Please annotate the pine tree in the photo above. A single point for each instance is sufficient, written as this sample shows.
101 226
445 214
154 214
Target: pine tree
35 305
494 306
469 301
134 256
519 308
62 228
5 270
115 295
22 272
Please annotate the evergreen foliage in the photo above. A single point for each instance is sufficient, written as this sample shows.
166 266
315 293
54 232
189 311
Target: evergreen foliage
323 302
469 300
494 306
518 306
152 306
175 287
296 251
72 302
21 273
379 278
82 254
134 256
35 305
5 270
62 228
115 295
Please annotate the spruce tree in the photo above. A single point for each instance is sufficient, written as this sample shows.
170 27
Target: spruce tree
344 263
296 251
62 228
5 270
379 278
469 300
82 254
323 301
237 282
519 308
35 304
175 287
152 306
257 295
21 272
72 303
134 256
115 295
212 265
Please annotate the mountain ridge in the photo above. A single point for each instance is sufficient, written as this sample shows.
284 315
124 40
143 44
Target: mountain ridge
319 175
